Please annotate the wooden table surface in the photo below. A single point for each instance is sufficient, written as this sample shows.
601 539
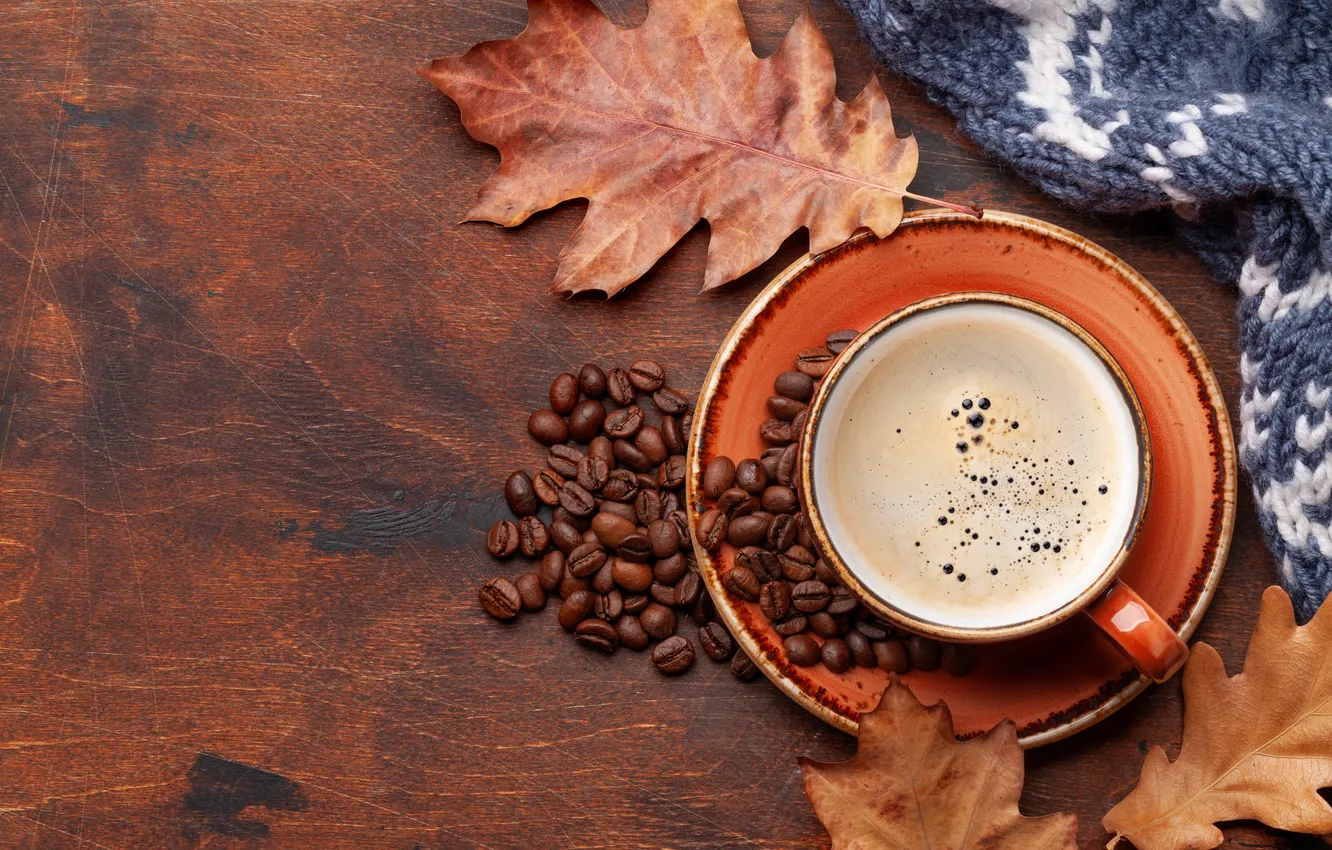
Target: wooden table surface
236 310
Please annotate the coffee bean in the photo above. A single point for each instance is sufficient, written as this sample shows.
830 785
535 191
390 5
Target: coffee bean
670 402
593 473
924 652
802 650
592 381
842 601
872 629
609 528
563 393
670 501
500 599
765 565
576 608
792 626
621 486
576 500
747 530
658 620
891 655
671 474
743 667
775 600
633 576
664 538
631 457
736 502
646 480
800 553
548 427
663 594
565 537
530 591
670 569
751 477
651 443
703 609
742 582
586 559
636 547
673 655
519 494
844 623
775 432
769 464
718 476
784 408
585 420
609 606
590 536
623 423
647 375
619 387
546 485
823 624
635 603
647 506
837 341
794 570
815 362
552 567
825 573
788 466
564 460
570 584
597 634
533 536
957 659
810 596
632 634
836 655
782 533
673 435
688 589
681 520
806 536
798 425
711 530
716 641
861 651
502 539
794 385
780 500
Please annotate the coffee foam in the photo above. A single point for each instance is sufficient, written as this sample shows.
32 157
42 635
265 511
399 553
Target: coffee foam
1028 492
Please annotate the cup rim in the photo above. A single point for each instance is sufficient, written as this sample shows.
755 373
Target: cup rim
944 631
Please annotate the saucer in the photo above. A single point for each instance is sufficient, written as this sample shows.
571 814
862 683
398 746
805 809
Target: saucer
1069 677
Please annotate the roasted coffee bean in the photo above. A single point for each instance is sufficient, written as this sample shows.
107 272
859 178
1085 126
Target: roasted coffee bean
646 480
610 606
548 427
716 641
623 423
671 474
658 620
633 576
590 536
623 510
872 629
925 653
673 435
502 539
798 425
600 448
810 596
597 634
611 529
891 655
563 393
670 402
533 536
592 381
688 589
585 420
747 530
792 626
619 387
794 385
751 477
782 533
670 569
546 485
632 634
780 500
519 494
604 580
742 582
775 600
806 536
670 502
565 537
825 573
775 432
743 667
530 591
651 443
681 520
797 552
647 506
823 624
564 460
802 650
957 659
500 599
793 570
663 594
736 502
842 601
784 408
788 466
664 538
630 456
769 464
576 500
861 651
673 655
765 565
837 341
710 533
552 567
569 583
621 486
815 362
593 473
636 547
843 622
836 655
576 608
718 476
703 609
647 375
635 603
586 559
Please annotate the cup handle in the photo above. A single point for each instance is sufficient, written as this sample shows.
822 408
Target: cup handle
1139 632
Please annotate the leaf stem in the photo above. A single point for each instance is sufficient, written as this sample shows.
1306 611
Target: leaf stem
972 208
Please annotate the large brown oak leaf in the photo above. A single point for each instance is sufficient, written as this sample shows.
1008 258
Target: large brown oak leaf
1257 746
913 785
672 122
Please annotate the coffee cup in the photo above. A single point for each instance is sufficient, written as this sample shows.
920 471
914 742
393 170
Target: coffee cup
976 467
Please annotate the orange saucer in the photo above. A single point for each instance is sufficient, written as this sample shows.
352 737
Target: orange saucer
1067 678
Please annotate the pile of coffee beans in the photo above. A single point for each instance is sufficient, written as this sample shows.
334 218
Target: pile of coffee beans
615 547
754 506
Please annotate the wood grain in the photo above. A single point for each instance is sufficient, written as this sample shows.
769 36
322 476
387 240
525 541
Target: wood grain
236 311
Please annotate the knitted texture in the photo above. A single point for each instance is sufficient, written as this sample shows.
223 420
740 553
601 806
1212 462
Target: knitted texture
1219 108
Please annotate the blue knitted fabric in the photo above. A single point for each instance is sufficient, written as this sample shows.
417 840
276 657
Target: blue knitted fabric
1219 108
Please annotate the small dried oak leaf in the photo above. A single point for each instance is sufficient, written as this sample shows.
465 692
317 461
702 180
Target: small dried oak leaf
912 784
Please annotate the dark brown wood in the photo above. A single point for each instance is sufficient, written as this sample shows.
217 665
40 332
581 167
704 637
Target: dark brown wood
235 311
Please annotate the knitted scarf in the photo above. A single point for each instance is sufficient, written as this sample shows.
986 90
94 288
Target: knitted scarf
1219 108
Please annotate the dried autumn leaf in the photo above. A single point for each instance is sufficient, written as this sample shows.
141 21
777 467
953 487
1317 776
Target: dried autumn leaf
672 122
1257 746
912 784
